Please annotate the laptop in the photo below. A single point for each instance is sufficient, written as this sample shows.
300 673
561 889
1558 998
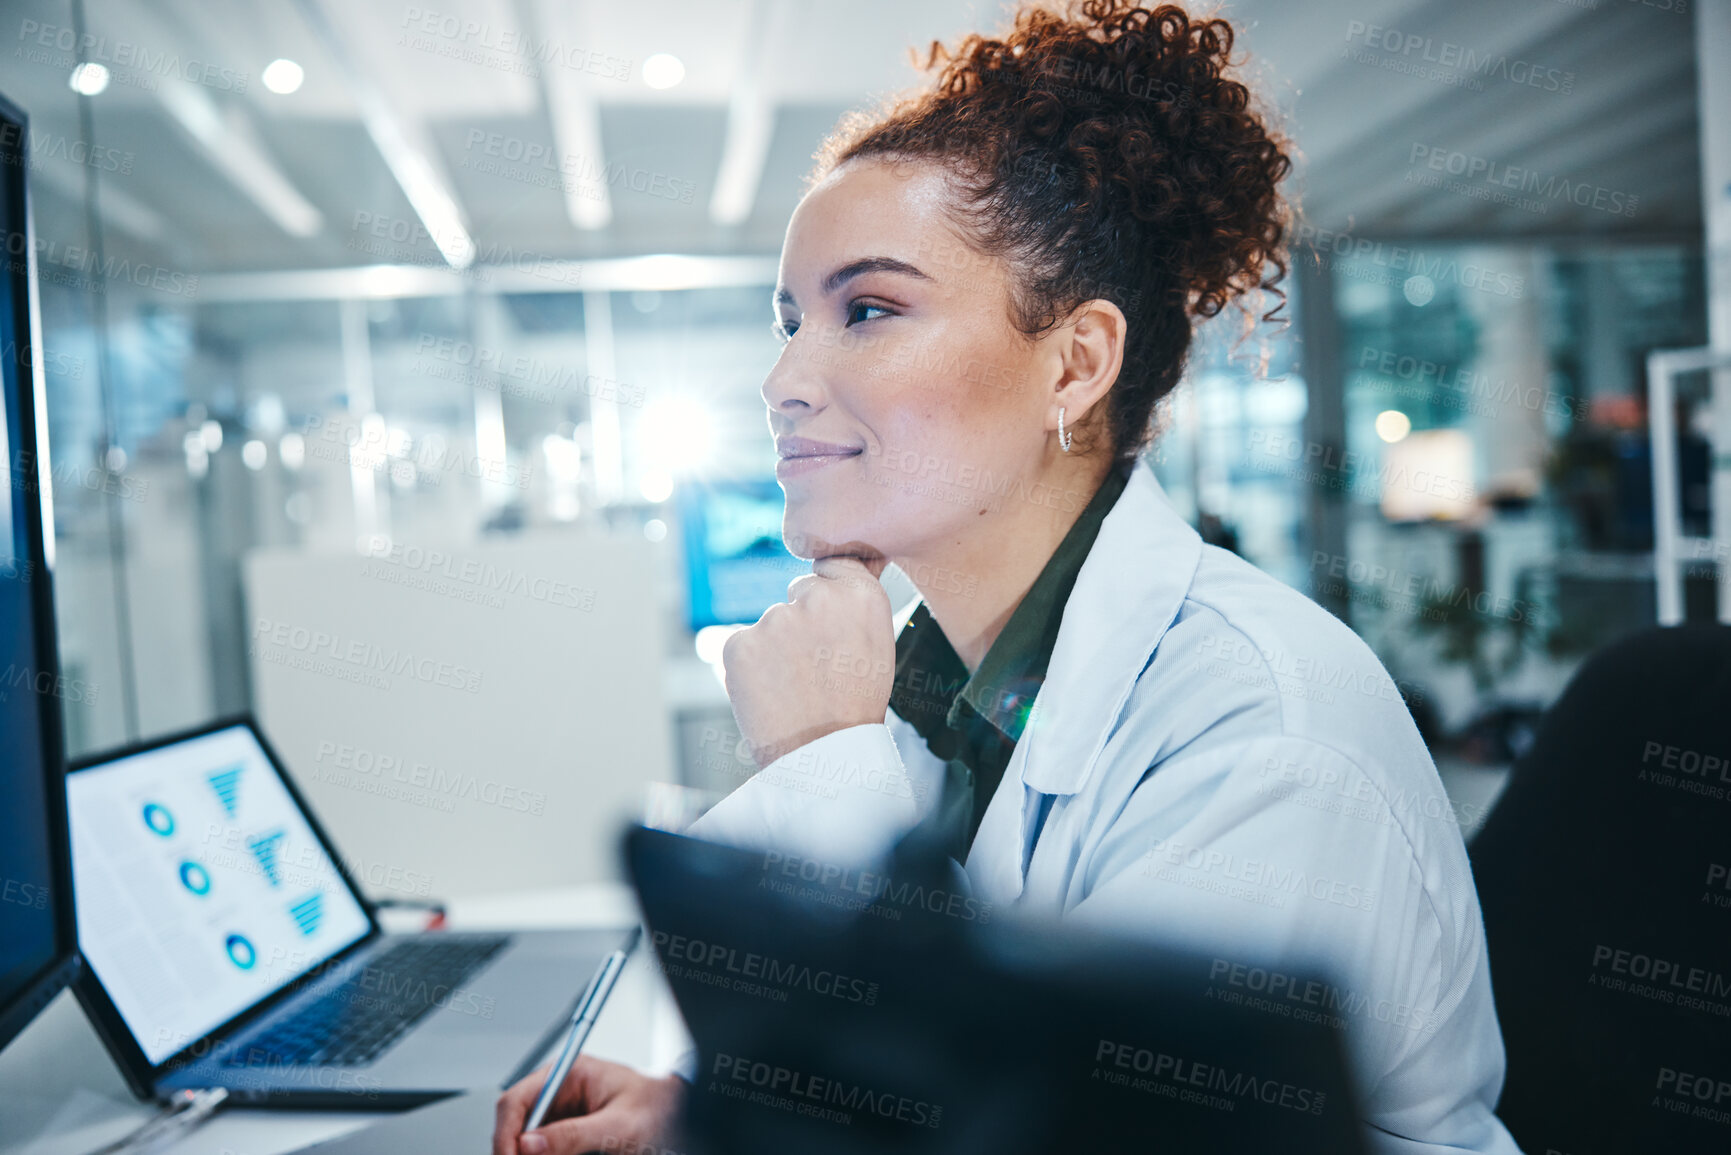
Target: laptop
226 944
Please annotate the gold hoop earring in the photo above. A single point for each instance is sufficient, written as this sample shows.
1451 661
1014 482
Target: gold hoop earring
1064 439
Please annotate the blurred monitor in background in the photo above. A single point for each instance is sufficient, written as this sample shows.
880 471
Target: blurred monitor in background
735 563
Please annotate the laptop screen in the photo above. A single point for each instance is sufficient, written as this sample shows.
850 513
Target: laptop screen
199 885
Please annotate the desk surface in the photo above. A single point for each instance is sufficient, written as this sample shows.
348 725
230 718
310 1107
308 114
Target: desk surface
60 1094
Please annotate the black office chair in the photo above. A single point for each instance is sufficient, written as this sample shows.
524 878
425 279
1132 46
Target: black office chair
1603 876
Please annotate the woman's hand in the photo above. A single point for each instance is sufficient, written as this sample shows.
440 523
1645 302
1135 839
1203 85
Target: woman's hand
602 1106
822 661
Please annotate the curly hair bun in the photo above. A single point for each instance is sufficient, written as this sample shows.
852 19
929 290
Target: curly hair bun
1108 152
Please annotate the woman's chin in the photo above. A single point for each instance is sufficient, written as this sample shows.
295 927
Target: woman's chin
803 539
809 537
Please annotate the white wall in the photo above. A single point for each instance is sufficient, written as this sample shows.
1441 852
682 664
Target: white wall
521 738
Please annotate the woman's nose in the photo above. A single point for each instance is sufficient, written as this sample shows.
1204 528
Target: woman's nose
795 383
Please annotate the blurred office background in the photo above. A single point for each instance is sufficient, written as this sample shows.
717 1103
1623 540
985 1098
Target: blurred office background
380 329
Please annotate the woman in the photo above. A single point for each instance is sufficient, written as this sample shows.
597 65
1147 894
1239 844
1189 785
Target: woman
983 296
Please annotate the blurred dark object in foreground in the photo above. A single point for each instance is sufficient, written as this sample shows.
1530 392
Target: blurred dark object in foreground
854 1013
1602 873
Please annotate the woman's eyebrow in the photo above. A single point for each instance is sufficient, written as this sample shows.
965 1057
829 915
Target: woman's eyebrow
854 269
866 265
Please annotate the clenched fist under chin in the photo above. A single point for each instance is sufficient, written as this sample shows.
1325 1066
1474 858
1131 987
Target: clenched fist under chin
822 661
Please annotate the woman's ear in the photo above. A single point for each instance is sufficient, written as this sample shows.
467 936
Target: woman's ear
1091 347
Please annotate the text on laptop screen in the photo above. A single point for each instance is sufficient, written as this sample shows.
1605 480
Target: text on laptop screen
199 885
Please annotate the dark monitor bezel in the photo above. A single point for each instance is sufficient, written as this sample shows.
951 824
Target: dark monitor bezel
17 1012
140 1073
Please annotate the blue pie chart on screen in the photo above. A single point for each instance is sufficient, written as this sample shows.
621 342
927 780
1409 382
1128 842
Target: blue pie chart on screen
240 952
158 818
194 877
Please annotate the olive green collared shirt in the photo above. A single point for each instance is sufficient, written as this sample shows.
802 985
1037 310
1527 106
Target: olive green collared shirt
973 722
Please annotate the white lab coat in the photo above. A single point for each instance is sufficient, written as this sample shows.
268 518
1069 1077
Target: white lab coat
1230 768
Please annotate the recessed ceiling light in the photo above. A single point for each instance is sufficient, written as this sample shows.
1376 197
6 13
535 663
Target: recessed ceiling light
663 70
1392 425
89 78
283 76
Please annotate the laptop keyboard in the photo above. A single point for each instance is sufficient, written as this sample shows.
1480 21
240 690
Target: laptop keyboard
352 1024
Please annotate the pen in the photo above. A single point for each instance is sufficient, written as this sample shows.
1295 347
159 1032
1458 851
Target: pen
582 1019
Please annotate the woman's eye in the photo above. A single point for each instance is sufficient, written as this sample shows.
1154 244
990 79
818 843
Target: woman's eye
784 330
854 310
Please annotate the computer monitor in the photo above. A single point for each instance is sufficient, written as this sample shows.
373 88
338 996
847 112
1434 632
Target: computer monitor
736 566
38 944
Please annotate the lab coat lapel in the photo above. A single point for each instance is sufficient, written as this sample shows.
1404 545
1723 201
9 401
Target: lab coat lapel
1127 593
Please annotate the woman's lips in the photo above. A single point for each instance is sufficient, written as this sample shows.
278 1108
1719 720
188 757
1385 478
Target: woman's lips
797 465
801 455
